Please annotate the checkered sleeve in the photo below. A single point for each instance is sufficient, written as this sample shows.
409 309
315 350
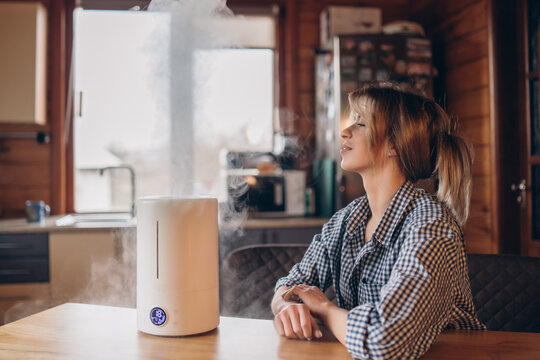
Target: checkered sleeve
313 270
405 315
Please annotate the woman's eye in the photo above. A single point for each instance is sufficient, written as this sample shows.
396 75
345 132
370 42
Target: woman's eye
360 124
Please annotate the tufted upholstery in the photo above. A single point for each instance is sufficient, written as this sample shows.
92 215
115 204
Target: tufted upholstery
248 277
505 288
506 291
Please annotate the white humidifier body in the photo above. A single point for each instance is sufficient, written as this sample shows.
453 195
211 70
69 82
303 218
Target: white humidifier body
177 265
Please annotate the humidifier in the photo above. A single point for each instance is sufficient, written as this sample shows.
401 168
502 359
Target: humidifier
177 265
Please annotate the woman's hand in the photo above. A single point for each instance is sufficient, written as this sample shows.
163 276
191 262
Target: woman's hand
320 306
295 321
312 297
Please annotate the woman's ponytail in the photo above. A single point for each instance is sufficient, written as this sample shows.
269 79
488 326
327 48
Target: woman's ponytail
454 172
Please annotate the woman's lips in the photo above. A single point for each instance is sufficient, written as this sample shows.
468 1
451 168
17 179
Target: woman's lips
344 148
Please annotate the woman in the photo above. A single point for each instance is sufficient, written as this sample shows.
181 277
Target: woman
396 256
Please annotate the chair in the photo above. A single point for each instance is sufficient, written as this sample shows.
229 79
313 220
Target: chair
506 291
248 276
505 288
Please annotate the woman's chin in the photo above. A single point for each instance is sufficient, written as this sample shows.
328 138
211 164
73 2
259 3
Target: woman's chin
345 167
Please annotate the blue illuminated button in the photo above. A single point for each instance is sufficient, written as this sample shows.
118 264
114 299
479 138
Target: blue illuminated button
158 316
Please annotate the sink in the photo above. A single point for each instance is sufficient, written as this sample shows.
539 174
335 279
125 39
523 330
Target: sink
96 219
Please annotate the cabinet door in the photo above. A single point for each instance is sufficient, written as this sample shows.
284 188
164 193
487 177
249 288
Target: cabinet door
23 40
21 300
81 266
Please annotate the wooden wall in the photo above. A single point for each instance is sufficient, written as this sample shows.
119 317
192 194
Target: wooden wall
460 34
24 174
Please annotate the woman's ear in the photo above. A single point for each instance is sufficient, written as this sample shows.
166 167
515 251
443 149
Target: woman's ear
390 150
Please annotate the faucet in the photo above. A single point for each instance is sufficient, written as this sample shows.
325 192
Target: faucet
132 177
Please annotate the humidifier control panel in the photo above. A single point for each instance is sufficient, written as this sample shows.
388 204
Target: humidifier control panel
158 316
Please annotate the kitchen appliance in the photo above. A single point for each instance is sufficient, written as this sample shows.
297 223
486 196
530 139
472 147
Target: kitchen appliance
260 182
177 265
280 193
355 61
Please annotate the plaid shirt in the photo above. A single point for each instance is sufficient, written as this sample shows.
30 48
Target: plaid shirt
403 286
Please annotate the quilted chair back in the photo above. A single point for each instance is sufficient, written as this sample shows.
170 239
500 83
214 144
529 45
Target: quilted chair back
506 291
248 276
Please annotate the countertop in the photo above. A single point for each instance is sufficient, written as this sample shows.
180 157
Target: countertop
49 225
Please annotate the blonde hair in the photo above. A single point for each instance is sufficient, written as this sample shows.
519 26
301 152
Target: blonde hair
423 137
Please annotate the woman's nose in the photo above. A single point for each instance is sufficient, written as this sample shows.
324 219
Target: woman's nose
345 133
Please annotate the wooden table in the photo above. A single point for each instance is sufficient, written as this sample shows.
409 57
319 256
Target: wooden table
79 331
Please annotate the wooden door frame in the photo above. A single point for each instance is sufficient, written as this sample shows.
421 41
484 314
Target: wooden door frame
503 64
528 247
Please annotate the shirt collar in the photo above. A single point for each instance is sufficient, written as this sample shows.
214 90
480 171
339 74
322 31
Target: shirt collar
358 215
391 217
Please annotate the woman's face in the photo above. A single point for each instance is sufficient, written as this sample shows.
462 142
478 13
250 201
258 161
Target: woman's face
355 153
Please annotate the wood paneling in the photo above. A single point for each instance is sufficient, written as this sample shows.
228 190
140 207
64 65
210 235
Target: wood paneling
308 32
58 78
476 130
460 32
467 77
23 151
467 20
470 48
478 229
481 191
482 166
430 13
14 198
306 70
471 104
24 175
478 241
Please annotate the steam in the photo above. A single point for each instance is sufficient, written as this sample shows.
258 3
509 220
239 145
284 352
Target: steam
25 308
195 25
113 280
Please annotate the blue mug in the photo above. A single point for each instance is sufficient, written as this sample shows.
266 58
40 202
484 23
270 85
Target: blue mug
36 211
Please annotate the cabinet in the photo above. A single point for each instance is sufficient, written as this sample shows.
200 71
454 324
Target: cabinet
93 267
21 300
38 271
23 39
24 275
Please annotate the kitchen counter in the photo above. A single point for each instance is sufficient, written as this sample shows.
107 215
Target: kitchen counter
80 331
49 225
11 226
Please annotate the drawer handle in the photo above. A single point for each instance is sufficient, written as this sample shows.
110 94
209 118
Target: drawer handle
14 272
14 246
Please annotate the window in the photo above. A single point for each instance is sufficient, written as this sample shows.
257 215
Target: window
234 108
141 103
